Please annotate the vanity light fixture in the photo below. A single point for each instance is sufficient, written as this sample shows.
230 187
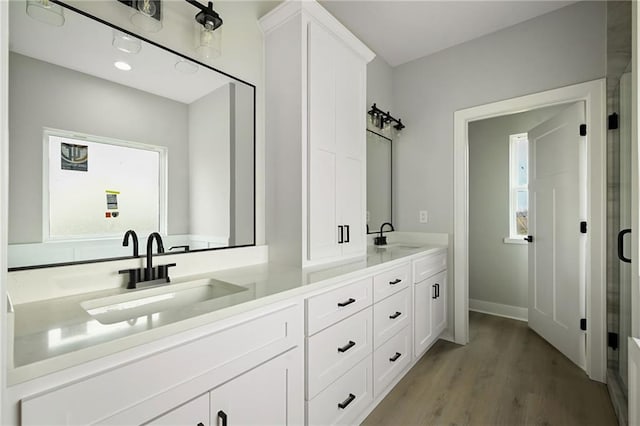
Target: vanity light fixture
46 11
186 67
126 43
122 66
383 119
148 15
209 40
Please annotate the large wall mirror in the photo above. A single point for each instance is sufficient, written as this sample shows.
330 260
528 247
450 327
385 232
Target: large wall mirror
379 180
109 132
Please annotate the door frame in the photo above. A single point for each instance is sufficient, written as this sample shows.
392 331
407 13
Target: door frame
593 94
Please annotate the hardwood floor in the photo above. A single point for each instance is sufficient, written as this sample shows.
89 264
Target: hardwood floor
506 375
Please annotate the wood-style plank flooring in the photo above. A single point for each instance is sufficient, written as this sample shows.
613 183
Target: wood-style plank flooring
506 375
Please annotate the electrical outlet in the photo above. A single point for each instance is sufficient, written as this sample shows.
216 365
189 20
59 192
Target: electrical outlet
424 216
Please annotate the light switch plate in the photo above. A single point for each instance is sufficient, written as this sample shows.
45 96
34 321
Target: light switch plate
424 216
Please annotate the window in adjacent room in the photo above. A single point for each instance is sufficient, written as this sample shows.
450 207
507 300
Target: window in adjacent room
518 187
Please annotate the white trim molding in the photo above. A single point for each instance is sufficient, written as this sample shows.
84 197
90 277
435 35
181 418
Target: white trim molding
593 94
498 309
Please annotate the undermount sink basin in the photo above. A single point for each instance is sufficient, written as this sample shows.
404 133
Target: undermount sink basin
123 307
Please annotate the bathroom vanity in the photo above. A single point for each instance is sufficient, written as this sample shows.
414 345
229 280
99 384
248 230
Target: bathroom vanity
318 346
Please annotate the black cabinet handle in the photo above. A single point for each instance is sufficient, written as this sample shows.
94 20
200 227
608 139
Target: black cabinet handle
395 357
396 281
200 424
347 401
396 315
347 346
222 416
437 290
434 295
341 234
348 302
529 238
621 255
346 227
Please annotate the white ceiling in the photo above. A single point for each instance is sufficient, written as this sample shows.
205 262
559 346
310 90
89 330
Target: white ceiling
401 31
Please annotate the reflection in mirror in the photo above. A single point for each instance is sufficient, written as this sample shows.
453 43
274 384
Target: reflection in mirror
378 180
109 132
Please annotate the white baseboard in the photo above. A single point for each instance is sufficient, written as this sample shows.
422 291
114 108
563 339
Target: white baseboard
498 309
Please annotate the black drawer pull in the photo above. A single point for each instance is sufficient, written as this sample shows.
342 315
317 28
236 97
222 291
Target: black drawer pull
346 228
396 281
341 233
348 302
435 292
347 401
222 416
347 346
396 315
395 357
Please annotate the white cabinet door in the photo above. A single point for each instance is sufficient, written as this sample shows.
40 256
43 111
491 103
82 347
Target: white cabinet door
323 149
439 313
270 394
193 413
337 122
424 291
350 128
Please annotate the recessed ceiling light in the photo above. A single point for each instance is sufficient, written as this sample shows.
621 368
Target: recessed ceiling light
123 66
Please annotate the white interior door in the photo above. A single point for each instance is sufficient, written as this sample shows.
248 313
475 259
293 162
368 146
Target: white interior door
557 200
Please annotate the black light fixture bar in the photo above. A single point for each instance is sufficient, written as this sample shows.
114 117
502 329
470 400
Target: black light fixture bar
380 118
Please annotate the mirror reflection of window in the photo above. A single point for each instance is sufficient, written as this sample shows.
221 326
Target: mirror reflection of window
378 180
99 189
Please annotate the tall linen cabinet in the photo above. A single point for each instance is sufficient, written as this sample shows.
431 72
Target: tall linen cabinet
315 136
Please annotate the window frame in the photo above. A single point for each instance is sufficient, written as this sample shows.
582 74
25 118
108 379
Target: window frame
514 188
47 132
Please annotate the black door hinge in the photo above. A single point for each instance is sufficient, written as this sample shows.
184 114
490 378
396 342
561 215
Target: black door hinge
612 340
583 227
583 324
583 130
613 122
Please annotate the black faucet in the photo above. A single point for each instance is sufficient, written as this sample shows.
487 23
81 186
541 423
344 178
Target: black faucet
149 272
381 240
125 242
148 276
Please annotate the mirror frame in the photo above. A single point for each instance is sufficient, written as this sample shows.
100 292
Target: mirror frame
370 232
196 61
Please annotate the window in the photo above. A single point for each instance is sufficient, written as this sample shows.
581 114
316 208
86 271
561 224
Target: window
518 186
98 187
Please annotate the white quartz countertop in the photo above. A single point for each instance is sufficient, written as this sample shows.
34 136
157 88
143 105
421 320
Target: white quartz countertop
58 333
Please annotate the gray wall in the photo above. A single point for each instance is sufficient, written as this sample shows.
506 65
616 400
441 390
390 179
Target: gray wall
497 271
46 95
209 153
379 84
243 189
554 50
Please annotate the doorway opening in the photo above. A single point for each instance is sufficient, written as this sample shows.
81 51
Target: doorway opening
592 96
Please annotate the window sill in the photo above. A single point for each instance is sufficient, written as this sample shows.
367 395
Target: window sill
520 240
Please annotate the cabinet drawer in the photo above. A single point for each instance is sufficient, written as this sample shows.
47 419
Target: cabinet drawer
335 350
428 266
387 283
391 315
335 305
353 391
390 359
